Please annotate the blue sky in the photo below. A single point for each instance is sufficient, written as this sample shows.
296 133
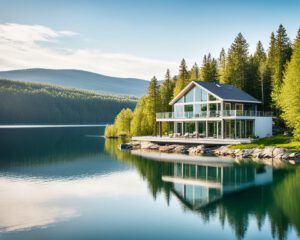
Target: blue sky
136 38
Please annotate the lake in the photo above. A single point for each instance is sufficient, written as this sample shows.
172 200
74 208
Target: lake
69 183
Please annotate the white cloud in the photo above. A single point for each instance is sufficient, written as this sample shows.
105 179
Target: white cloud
21 47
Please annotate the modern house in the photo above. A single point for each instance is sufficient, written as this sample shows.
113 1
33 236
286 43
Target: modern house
208 110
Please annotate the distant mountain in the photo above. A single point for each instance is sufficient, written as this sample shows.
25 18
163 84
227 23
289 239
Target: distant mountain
80 80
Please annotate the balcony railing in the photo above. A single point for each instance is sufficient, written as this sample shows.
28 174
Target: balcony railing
207 114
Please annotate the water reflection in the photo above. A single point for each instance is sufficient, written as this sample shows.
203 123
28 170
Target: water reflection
237 194
197 185
46 173
26 203
60 184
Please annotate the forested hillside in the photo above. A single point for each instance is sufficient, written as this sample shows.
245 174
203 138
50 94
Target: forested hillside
31 103
79 79
271 76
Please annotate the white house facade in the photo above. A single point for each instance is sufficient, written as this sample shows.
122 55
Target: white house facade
212 110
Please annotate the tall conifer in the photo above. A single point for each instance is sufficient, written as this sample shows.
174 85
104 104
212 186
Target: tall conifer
289 99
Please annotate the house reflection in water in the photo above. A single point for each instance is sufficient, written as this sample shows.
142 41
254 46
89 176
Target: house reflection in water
197 185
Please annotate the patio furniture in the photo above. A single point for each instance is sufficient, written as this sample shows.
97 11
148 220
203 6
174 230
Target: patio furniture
201 135
195 134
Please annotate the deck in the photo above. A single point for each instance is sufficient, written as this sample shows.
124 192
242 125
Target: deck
182 140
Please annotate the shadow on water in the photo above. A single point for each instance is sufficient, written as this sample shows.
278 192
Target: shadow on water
235 193
54 152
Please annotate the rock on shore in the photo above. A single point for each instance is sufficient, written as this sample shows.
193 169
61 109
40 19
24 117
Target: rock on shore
172 148
267 152
269 155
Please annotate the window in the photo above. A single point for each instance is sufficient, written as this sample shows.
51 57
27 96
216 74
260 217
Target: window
203 107
204 96
198 94
189 97
197 109
188 108
189 127
211 97
178 111
180 100
239 107
202 128
227 106
213 109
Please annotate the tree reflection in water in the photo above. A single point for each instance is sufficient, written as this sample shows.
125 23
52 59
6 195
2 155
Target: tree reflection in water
235 193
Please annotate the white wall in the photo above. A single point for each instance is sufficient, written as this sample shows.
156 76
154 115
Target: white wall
263 126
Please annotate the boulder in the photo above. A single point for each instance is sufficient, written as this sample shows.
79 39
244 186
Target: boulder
278 151
285 156
135 145
167 148
180 149
245 153
257 152
294 155
149 145
197 150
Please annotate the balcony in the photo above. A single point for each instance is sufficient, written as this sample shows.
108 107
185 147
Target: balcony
213 114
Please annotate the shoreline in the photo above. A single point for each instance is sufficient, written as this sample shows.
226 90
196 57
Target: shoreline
267 155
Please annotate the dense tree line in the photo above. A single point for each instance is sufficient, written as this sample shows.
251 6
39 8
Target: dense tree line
269 76
29 103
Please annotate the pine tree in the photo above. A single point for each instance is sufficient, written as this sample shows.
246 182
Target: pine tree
209 69
153 104
222 66
195 73
259 77
183 77
282 55
166 93
269 72
289 99
236 71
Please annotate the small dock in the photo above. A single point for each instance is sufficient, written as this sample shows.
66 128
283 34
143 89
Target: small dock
182 140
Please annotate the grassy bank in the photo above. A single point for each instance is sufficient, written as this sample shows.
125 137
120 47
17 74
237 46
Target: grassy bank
274 141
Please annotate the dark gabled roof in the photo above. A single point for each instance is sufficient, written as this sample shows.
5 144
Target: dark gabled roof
227 92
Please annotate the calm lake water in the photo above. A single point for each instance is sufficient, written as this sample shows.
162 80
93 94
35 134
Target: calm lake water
67 183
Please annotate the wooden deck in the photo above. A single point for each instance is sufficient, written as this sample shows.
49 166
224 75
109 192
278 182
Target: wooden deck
182 140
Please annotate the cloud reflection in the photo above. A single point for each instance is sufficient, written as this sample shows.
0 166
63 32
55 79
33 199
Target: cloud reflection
31 202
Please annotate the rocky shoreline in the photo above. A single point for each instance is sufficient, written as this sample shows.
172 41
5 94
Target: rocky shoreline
265 154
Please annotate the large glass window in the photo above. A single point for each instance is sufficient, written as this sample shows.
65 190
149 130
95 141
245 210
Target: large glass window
189 97
198 94
188 108
204 96
202 129
197 110
179 128
178 111
203 107
212 129
213 109
239 106
180 100
189 127
211 97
